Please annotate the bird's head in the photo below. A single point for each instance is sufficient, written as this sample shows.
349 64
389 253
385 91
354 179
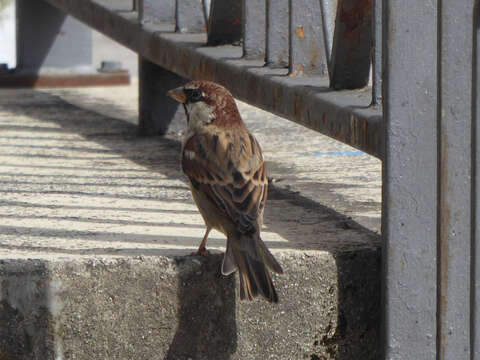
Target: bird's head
206 103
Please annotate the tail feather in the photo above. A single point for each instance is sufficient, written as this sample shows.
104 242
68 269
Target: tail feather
251 257
228 264
270 261
258 274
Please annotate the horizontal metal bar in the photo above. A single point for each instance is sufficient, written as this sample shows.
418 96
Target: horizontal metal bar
308 101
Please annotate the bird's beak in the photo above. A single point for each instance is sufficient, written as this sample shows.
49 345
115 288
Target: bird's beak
178 94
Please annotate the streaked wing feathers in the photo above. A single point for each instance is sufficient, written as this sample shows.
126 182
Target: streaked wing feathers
228 168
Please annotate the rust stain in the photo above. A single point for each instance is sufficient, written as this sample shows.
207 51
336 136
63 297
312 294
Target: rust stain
353 130
443 248
298 108
101 79
360 14
185 62
204 28
237 21
207 72
300 32
324 118
338 134
364 132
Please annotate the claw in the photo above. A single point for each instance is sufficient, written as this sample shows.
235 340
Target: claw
202 252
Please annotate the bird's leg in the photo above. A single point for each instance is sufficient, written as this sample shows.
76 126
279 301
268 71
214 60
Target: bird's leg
202 249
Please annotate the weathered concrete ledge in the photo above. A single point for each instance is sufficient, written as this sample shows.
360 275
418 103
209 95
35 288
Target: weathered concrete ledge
181 308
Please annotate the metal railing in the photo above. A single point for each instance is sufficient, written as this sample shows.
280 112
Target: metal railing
310 61
300 97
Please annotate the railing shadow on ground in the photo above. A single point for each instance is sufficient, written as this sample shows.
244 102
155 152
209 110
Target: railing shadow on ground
357 264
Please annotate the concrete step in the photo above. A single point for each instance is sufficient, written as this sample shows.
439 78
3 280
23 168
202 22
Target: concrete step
181 308
98 224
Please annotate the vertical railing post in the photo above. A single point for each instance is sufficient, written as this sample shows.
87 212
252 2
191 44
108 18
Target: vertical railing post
277 33
254 29
329 12
352 45
190 16
430 209
152 11
308 55
455 173
224 24
409 204
156 110
475 335
377 53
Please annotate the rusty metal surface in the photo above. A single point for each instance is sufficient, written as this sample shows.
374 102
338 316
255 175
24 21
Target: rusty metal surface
225 22
277 33
352 44
308 54
307 100
100 79
254 29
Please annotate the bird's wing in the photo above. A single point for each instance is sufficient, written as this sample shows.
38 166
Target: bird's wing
228 168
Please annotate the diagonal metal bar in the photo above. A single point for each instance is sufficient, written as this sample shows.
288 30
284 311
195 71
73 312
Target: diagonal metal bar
306 100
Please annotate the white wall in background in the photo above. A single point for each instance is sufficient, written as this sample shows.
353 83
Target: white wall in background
7 33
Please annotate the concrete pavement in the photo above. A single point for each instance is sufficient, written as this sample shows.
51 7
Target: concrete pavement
97 224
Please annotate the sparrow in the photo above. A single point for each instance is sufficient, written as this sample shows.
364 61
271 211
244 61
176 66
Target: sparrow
228 181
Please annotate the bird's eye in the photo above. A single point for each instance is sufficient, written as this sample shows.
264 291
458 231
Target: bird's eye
194 95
